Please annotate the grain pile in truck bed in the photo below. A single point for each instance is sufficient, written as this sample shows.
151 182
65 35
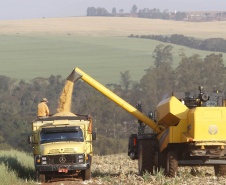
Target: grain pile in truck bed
64 113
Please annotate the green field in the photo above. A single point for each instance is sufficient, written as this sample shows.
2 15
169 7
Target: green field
103 58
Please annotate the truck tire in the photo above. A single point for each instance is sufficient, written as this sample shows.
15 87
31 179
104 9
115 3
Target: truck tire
171 164
86 174
146 156
41 177
220 170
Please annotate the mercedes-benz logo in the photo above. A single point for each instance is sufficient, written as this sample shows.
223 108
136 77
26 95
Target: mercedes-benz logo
62 159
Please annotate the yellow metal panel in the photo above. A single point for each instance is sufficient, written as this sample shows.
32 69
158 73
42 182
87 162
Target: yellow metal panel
191 123
171 111
176 135
208 123
164 139
212 114
185 137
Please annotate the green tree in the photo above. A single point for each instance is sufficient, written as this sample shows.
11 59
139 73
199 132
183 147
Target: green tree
188 73
162 54
134 9
114 11
213 72
121 11
180 16
125 80
91 11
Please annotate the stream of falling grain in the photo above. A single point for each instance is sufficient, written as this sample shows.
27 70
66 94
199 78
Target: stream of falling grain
65 98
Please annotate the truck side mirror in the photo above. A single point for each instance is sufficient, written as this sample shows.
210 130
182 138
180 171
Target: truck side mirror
29 139
94 136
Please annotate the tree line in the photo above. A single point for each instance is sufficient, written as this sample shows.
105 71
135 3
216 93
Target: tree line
19 99
143 13
212 44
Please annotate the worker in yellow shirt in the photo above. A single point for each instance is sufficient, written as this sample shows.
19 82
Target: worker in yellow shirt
43 110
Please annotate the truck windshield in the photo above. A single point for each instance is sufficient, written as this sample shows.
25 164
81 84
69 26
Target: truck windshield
61 136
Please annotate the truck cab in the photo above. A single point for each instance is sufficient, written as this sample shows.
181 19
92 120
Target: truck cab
63 147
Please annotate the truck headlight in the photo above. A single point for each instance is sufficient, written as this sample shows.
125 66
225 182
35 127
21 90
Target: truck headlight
44 162
43 158
80 160
80 156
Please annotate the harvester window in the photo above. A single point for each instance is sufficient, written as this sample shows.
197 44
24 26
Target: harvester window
211 104
48 137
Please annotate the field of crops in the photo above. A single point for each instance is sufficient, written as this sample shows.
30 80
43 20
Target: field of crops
103 58
120 169
98 45
113 26
17 168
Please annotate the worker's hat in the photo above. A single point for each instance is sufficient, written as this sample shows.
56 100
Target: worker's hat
45 100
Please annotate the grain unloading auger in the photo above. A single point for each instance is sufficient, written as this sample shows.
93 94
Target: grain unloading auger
77 74
190 130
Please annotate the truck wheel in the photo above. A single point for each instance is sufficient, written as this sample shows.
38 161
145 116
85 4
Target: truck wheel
41 177
220 170
86 174
146 156
171 164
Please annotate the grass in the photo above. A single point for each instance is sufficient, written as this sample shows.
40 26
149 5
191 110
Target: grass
16 168
29 56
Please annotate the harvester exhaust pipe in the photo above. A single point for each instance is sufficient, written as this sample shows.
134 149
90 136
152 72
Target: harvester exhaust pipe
74 76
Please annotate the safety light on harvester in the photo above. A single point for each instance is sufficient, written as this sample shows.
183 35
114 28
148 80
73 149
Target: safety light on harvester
134 141
191 140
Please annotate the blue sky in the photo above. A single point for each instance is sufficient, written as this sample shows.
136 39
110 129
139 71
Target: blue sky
29 9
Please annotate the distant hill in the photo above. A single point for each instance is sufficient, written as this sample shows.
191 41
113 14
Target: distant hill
98 45
112 26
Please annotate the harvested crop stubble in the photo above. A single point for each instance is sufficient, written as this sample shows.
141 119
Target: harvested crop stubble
120 169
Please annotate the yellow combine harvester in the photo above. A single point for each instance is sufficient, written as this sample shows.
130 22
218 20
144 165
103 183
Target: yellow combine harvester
189 130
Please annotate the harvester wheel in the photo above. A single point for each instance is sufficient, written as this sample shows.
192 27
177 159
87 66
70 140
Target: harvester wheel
171 164
162 160
220 170
146 156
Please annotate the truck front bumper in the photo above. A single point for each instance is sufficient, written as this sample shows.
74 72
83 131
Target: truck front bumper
43 168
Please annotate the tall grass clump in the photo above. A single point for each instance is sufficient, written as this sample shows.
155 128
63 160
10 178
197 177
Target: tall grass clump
16 168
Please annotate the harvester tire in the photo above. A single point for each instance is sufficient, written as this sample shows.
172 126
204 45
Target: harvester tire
146 156
171 164
220 170
162 160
